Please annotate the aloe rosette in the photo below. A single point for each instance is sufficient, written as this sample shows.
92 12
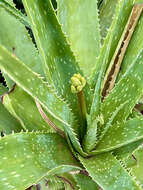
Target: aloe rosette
70 115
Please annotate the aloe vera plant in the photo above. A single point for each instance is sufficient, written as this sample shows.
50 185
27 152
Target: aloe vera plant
70 115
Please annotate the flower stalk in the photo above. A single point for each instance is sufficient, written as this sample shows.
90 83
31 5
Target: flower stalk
77 84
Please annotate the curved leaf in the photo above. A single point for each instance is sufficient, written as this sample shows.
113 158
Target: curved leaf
125 154
80 23
42 92
34 86
72 185
9 7
106 16
108 173
121 135
22 106
7 122
15 37
124 95
59 62
58 59
135 45
96 83
137 169
123 10
84 182
31 157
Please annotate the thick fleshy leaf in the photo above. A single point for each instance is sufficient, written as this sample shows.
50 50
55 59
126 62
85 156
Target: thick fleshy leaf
10 7
121 135
131 157
135 45
53 58
68 181
137 169
116 29
124 95
31 157
53 183
96 83
116 62
84 182
102 60
69 177
40 91
106 16
59 62
80 23
22 106
125 11
33 84
20 44
7 122
125 154
108 173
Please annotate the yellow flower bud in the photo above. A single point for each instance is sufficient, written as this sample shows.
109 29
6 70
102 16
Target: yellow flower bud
73 89
77 83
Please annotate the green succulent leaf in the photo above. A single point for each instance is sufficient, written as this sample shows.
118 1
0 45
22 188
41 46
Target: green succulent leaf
136 170
84 182
108 173
122 13
70 177
26 153
106 16
121 135
20 44
51 182
22 106
54 58
59 62
135 45
40 91
10 8
125 10
52 185
68 181
80 23
96 83
124 95
131 157
7 122
125 153
92 114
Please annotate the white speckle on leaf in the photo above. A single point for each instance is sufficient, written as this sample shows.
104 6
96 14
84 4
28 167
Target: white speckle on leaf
17 175
14 172
4 158
22 165
4 179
